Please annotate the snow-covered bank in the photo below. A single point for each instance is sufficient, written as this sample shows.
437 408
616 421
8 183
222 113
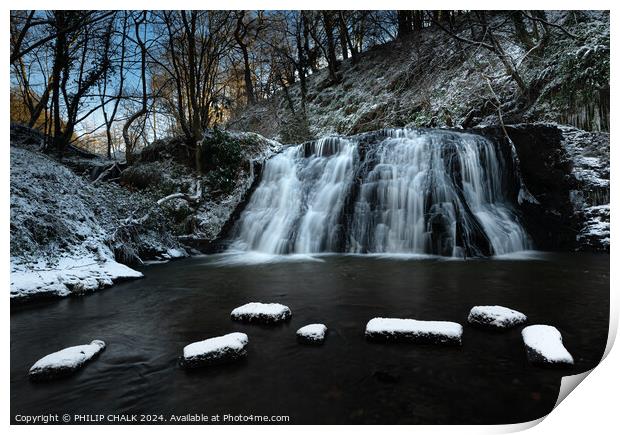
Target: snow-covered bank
69 276
72 233
65 361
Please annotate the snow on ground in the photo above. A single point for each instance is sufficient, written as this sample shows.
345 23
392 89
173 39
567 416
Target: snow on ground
417 331
313 333
427 80
495 316
261 313
225 348
544 345
596 228
65 361
59 245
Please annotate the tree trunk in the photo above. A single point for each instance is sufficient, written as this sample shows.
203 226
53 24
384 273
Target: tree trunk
331 46
190 28
247 71
59 62
343 34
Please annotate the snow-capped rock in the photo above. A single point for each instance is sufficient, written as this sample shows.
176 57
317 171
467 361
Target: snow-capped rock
216 350
544 345
415 331
65 361
261 313
312 334
495 316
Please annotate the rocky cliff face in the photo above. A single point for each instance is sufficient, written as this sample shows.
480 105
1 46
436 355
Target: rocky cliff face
567 172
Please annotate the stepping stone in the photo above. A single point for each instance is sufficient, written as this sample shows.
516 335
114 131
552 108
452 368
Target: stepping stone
217 350
66 361
312 334
414 331
495 317
544 346
257 312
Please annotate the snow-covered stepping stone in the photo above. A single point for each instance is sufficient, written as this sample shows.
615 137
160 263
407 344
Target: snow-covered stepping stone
495 317
312 334
66 361
414 331
216 350
544 345
261 313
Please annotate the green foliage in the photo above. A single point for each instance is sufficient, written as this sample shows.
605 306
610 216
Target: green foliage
295 130
222 157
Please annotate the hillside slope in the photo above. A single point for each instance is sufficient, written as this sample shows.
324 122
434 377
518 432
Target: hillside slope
73 233
432 80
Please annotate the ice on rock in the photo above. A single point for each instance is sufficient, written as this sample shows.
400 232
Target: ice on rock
312 334
257 312
414 331
65 361
216 350
495 316
544 345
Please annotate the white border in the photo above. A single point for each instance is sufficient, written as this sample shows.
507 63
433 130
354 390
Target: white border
592 408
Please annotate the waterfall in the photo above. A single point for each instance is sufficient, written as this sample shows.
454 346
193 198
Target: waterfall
395 191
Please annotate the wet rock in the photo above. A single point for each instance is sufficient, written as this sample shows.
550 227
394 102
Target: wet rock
213 351
65 362
258 312
414 331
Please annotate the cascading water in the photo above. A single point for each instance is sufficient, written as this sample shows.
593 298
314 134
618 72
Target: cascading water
297 206
396 191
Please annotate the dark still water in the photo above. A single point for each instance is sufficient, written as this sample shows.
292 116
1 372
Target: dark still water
146 324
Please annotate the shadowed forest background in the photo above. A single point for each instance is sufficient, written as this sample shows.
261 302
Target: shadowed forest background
114 81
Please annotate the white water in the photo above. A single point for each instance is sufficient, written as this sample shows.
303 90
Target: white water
432 192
